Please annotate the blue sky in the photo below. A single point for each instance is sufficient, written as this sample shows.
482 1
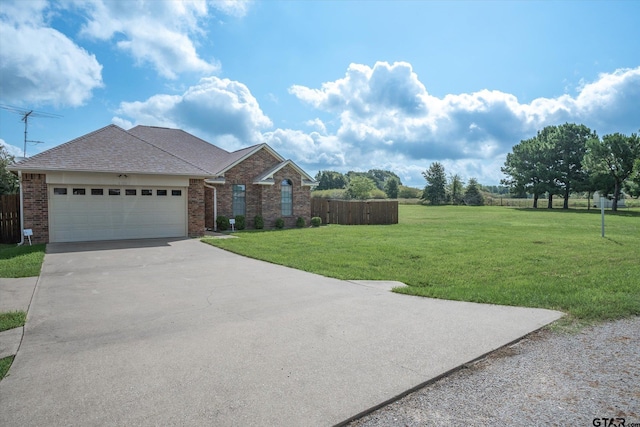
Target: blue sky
339 85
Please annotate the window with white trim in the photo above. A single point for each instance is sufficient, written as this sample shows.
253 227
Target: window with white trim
286 197
238 201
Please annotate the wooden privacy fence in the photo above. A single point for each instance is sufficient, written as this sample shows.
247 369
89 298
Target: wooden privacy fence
10 218
355 212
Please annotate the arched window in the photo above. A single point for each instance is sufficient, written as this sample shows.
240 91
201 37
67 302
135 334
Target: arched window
286 197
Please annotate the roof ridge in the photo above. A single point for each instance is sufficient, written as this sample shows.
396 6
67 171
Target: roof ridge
251 147
202 140
168 152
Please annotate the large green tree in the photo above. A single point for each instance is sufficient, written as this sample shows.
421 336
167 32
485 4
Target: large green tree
455 189
328 180
632 185
360 187
527 168
550 162
435 190
378 176
391 188
568 143
613 155
8 180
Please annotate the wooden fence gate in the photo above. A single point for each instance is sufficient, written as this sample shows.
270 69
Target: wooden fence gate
10 218
355 212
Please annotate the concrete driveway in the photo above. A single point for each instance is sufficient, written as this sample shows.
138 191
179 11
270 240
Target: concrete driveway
176 332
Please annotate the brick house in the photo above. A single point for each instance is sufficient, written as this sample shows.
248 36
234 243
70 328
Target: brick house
152 182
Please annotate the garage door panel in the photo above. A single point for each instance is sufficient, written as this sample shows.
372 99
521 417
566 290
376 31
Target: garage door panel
77 217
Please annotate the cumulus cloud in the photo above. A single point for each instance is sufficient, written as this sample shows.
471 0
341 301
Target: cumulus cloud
387 117
311 149
223 109
40 65
160 33
11 149
237 8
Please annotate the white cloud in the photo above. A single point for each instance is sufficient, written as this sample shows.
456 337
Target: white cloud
311 149
318 125
161 33
237 8
11 149
223 109
387 117
40 65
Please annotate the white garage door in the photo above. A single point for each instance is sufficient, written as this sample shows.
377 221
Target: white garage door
83 213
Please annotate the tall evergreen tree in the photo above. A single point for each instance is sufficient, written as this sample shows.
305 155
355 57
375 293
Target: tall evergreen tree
472 195
435 190
391 188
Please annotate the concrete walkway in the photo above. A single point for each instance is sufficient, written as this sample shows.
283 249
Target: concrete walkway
163 332
15 295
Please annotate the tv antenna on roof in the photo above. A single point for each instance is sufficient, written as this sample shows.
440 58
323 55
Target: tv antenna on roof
26 114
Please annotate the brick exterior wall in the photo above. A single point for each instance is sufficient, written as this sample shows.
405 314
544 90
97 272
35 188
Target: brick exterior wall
208 208
245 173
261 199
36 206
196 208
271 196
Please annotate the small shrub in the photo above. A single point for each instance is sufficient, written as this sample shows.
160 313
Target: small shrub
300 222
222 222
377 194
240 222
316 221
279 223
335 193
409 193
258 222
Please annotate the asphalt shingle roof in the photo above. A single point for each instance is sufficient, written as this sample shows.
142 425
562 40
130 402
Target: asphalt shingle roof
143 149
183 145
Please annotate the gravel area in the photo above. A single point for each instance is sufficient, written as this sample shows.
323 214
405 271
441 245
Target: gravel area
548 378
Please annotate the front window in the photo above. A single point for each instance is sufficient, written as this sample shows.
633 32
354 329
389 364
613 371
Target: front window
238 199
286 198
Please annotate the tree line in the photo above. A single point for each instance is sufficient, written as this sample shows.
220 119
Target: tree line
439 190
570 158
361 185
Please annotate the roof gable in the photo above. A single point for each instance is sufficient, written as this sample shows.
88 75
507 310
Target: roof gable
267 177
111 149
239 156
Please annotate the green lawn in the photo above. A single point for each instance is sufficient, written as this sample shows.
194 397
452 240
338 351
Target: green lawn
5 364
534 258
21 261
12 319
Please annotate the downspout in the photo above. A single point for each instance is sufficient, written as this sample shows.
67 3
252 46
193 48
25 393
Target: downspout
21 209
215 205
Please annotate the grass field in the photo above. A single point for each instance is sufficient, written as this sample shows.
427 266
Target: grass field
21 261
534 258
